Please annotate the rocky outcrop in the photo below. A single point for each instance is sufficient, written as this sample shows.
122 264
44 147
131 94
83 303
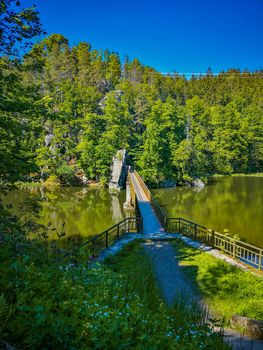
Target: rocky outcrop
198 183
250 327
118 171
117 94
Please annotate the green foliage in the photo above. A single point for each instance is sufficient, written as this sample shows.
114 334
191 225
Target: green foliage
66 173
76 105
52 299
227 289
17 26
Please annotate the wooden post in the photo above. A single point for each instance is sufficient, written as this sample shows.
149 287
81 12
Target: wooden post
234 249
166 226
93 248
118 232
179 228
107 240
195 232
213 239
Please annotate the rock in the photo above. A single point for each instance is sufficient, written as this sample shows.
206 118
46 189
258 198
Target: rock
48 139
198 183
84 179
167 184
118 171
117 94
251 327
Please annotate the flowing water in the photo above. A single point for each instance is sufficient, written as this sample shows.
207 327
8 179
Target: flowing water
75 211
228 203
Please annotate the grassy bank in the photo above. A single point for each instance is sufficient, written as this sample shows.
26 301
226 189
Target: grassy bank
53 182
239 174
181 327
51 300
227 289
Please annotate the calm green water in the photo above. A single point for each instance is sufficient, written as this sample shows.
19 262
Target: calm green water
233 203
85 212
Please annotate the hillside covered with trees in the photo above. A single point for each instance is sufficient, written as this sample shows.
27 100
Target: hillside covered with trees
66 110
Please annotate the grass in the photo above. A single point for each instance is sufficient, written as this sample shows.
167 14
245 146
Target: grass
239 174
182 326
253 174
227 289
49 300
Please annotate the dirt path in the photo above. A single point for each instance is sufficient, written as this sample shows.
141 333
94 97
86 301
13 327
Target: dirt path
173 282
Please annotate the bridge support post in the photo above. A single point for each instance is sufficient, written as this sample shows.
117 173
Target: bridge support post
129 203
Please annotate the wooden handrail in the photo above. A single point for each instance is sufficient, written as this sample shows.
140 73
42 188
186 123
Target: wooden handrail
159 211
127 225
245 252
249 253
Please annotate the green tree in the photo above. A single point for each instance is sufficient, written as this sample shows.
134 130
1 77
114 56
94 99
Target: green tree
17 27
157 142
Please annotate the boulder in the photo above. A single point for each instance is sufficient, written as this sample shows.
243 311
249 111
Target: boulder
250 326
198 183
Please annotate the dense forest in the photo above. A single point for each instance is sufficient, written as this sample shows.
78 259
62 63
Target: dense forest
66 110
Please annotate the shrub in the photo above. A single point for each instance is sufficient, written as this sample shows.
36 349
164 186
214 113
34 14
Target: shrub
66 173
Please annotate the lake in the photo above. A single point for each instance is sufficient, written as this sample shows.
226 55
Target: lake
227 203
233 203
84 211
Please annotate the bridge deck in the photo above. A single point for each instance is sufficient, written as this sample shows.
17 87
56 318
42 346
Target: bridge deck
151 224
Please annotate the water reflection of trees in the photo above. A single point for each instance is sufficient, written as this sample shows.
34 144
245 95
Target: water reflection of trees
233 203
84 211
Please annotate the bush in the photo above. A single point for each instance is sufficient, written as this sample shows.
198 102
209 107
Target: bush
52 181
66 173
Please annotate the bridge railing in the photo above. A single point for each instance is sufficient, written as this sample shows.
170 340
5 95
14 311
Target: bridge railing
237 249
158 210
245 252
138 215
105 239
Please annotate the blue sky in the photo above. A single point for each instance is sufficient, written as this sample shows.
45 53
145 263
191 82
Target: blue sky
180 35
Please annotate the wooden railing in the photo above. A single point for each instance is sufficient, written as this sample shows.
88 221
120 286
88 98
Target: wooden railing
105 239
158 210
245 252
242 251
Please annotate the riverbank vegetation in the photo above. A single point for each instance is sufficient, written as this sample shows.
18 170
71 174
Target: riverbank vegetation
66 110
228 290
240 174
52 299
